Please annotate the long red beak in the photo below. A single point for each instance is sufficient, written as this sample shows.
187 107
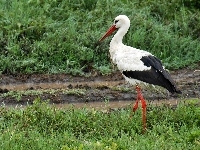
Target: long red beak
109 32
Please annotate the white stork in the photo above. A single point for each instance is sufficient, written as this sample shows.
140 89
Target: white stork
136 65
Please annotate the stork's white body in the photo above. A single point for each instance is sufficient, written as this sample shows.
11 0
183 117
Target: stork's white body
128 59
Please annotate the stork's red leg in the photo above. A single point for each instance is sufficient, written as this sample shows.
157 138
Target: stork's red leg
144 114
135 106
143 102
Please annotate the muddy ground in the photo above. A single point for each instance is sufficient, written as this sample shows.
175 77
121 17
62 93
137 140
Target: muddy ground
96 88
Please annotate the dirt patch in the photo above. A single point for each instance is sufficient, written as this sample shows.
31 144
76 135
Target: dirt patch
97 88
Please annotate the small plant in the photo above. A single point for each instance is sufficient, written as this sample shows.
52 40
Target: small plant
122 88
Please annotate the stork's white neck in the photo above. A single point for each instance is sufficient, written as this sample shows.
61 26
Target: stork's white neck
116 42
117 38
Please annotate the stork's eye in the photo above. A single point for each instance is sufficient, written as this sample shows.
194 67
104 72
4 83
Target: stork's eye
116 21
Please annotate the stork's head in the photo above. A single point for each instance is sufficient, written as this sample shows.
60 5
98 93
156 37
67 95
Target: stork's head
121 22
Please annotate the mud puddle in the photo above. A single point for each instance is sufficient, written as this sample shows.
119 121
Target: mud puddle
117 104
21 90
109 106
60 85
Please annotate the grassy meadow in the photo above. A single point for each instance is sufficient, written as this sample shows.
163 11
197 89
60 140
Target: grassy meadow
40 126
57 36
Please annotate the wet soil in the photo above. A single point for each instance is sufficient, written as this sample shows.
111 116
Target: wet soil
97 88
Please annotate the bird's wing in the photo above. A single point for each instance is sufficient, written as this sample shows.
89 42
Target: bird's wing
152 61
151 71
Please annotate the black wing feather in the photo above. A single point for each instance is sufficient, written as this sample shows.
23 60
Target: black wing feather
157 75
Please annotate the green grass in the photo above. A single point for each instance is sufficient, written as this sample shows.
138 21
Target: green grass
41 126
46 36
18 94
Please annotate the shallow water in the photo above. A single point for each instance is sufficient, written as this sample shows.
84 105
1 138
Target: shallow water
59 85
112 105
